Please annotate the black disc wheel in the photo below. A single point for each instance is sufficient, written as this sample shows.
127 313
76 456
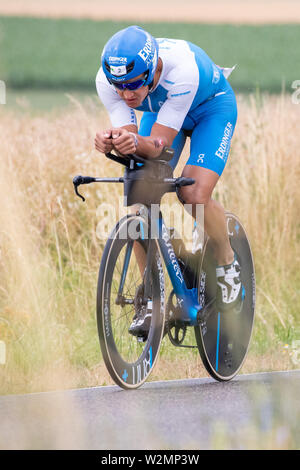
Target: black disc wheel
223 337
121 293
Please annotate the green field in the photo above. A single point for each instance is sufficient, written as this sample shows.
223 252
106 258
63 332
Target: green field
65 54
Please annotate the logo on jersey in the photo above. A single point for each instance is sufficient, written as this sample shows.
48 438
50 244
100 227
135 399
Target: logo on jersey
222 151
216 75
200 158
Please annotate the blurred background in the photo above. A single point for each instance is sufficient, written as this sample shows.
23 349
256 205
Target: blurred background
49 250
51 47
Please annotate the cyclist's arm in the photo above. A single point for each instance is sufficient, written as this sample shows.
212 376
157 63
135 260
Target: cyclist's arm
169 120
120 114
125 137
127 140
161 136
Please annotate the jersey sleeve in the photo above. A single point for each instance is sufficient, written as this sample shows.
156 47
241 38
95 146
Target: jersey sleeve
120 114
179 101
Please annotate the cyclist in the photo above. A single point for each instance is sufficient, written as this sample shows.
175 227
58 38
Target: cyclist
181 93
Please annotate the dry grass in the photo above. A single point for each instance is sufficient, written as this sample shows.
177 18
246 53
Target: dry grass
213 11
49 250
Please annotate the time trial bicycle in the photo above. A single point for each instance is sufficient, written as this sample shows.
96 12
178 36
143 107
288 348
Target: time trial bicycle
222 338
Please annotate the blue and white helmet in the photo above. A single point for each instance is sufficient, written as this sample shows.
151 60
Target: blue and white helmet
129 53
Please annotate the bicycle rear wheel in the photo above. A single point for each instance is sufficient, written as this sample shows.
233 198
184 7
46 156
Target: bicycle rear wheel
128 359
223 338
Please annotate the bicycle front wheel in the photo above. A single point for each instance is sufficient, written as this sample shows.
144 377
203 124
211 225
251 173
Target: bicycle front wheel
121 283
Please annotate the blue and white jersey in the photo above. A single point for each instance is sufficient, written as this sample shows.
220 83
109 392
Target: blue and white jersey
188 79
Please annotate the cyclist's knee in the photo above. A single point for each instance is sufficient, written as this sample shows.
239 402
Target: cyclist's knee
195 194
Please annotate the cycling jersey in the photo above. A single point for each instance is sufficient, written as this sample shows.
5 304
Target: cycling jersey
190 84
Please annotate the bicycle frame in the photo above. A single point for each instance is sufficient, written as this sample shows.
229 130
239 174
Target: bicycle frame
186 298
222 338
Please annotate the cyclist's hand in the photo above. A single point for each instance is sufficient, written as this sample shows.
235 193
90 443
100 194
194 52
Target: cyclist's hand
124 141
103 141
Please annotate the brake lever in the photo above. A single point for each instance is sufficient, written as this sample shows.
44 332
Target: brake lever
78 180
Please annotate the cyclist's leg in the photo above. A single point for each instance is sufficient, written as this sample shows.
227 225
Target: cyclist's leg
210 145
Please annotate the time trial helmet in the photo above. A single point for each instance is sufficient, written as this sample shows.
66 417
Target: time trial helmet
130 53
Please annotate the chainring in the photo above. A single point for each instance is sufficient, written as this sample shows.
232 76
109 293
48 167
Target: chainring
175 328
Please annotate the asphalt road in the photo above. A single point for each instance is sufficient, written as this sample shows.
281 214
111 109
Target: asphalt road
186 414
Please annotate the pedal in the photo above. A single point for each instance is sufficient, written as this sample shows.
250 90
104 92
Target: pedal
206 311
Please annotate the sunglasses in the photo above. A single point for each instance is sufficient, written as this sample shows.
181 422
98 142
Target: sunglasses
129 86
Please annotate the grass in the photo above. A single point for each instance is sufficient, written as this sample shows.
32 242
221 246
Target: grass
39 100
50 251
65 53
